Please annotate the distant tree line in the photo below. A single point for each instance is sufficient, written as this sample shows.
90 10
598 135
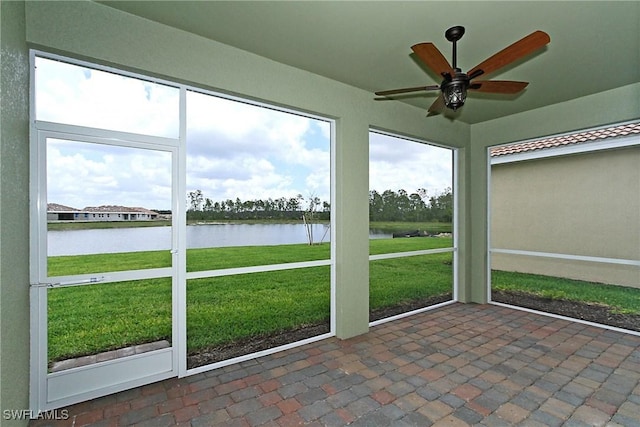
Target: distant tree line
204 208
386 206
414 207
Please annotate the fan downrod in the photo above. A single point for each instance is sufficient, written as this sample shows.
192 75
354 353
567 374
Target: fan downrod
454 34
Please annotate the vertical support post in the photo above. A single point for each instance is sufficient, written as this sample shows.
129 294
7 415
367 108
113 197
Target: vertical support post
352 228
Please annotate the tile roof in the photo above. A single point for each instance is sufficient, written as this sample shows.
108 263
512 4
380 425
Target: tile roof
569 139
55 207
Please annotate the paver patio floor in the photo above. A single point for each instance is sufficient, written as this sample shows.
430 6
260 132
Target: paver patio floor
458 365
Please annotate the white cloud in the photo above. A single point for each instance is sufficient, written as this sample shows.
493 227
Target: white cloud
81 174
396 163
234 149
240 150
75 95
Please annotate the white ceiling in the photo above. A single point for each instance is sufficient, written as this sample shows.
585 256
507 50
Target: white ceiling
595 46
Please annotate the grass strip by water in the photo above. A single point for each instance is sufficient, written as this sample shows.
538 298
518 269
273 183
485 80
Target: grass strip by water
621 299
227 257
92 225
197 259
401 227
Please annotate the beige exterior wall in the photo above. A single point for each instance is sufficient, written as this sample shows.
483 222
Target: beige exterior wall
583 204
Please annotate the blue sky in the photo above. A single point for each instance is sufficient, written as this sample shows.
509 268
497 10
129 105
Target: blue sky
234 150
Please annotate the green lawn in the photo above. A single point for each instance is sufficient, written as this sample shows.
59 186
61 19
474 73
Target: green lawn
104 316
224 309
385 246
248 256
93 318
197 259
100 263
623 299
229 257
401 280
100 317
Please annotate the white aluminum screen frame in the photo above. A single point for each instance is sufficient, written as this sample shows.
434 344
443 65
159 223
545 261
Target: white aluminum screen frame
455 223
54 390
51 391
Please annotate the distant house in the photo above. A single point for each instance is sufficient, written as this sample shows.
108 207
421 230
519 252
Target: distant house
569 206
56 212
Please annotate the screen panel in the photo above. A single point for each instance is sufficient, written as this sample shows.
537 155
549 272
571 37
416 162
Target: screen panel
108 208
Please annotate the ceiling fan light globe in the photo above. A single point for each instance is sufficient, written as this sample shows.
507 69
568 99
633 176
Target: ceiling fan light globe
455 94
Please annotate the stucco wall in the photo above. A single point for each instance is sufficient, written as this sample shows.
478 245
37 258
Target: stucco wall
585 204
14 201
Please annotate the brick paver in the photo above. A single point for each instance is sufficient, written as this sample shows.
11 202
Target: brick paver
459 365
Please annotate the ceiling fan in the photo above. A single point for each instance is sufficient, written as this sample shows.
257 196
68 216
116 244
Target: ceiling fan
454 87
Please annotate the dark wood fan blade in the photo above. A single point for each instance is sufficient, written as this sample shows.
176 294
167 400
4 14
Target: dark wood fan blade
519 49
433 58
497 86
437 106
406 90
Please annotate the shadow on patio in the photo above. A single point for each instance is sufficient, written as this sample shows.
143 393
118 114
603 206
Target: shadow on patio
458 365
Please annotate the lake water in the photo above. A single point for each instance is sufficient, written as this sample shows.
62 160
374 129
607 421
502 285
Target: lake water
113 240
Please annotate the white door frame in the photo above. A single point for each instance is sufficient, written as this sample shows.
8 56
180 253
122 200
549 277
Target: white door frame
57 389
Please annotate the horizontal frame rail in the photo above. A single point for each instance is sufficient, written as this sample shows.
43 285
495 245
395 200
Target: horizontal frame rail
256 269
410 253
105 278
570 257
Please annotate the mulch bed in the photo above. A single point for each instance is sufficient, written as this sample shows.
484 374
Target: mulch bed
404 307
254 344
597 313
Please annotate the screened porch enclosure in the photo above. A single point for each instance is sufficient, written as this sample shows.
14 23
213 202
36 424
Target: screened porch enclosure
127 319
